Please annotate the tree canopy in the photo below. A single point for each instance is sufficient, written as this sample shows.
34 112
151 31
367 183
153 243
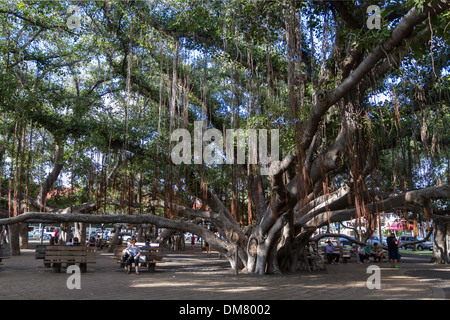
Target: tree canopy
91 92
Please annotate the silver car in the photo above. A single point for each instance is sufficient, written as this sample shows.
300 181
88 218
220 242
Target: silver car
420 246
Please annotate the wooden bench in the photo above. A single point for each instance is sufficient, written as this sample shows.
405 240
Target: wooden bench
342 251
69 255
150 256
118 255
40 251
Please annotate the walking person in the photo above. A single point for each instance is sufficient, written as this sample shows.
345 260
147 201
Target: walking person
392 244
192 242
208 248
56 235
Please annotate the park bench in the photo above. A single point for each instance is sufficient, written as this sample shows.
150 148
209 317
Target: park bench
40 251
56 256
150 256
342 251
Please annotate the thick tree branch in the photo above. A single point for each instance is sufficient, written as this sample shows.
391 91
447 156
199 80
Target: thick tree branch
419 197
400 32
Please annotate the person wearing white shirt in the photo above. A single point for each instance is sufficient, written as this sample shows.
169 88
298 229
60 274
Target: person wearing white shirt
133 253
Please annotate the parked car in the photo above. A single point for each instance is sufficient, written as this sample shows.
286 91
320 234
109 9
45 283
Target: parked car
37 235
346 242
126 238
424 245
420 246
324 241
376 239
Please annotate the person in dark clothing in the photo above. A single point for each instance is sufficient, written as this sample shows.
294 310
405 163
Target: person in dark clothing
393 250
329 249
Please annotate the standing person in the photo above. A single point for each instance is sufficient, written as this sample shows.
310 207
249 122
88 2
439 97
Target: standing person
192 241
207 247
56 235
133 252
393 250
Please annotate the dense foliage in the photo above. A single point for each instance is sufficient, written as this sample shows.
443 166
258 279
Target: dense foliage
90 92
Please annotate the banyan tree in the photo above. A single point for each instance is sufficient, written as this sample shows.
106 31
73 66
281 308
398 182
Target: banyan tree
358 95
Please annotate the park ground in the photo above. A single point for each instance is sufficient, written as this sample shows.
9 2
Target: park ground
194 275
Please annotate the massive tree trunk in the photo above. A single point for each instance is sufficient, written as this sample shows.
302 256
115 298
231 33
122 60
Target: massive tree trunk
13 232
440 239
80 231
23 235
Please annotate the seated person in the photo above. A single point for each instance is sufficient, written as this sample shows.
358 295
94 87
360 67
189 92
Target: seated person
368 248
312 248
91 242
379 252
353 251
329 250
132 254
75 242
362 254
129 242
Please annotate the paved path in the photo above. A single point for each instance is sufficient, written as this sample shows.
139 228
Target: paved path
197 276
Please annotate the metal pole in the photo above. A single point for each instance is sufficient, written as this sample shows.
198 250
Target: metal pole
42 233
